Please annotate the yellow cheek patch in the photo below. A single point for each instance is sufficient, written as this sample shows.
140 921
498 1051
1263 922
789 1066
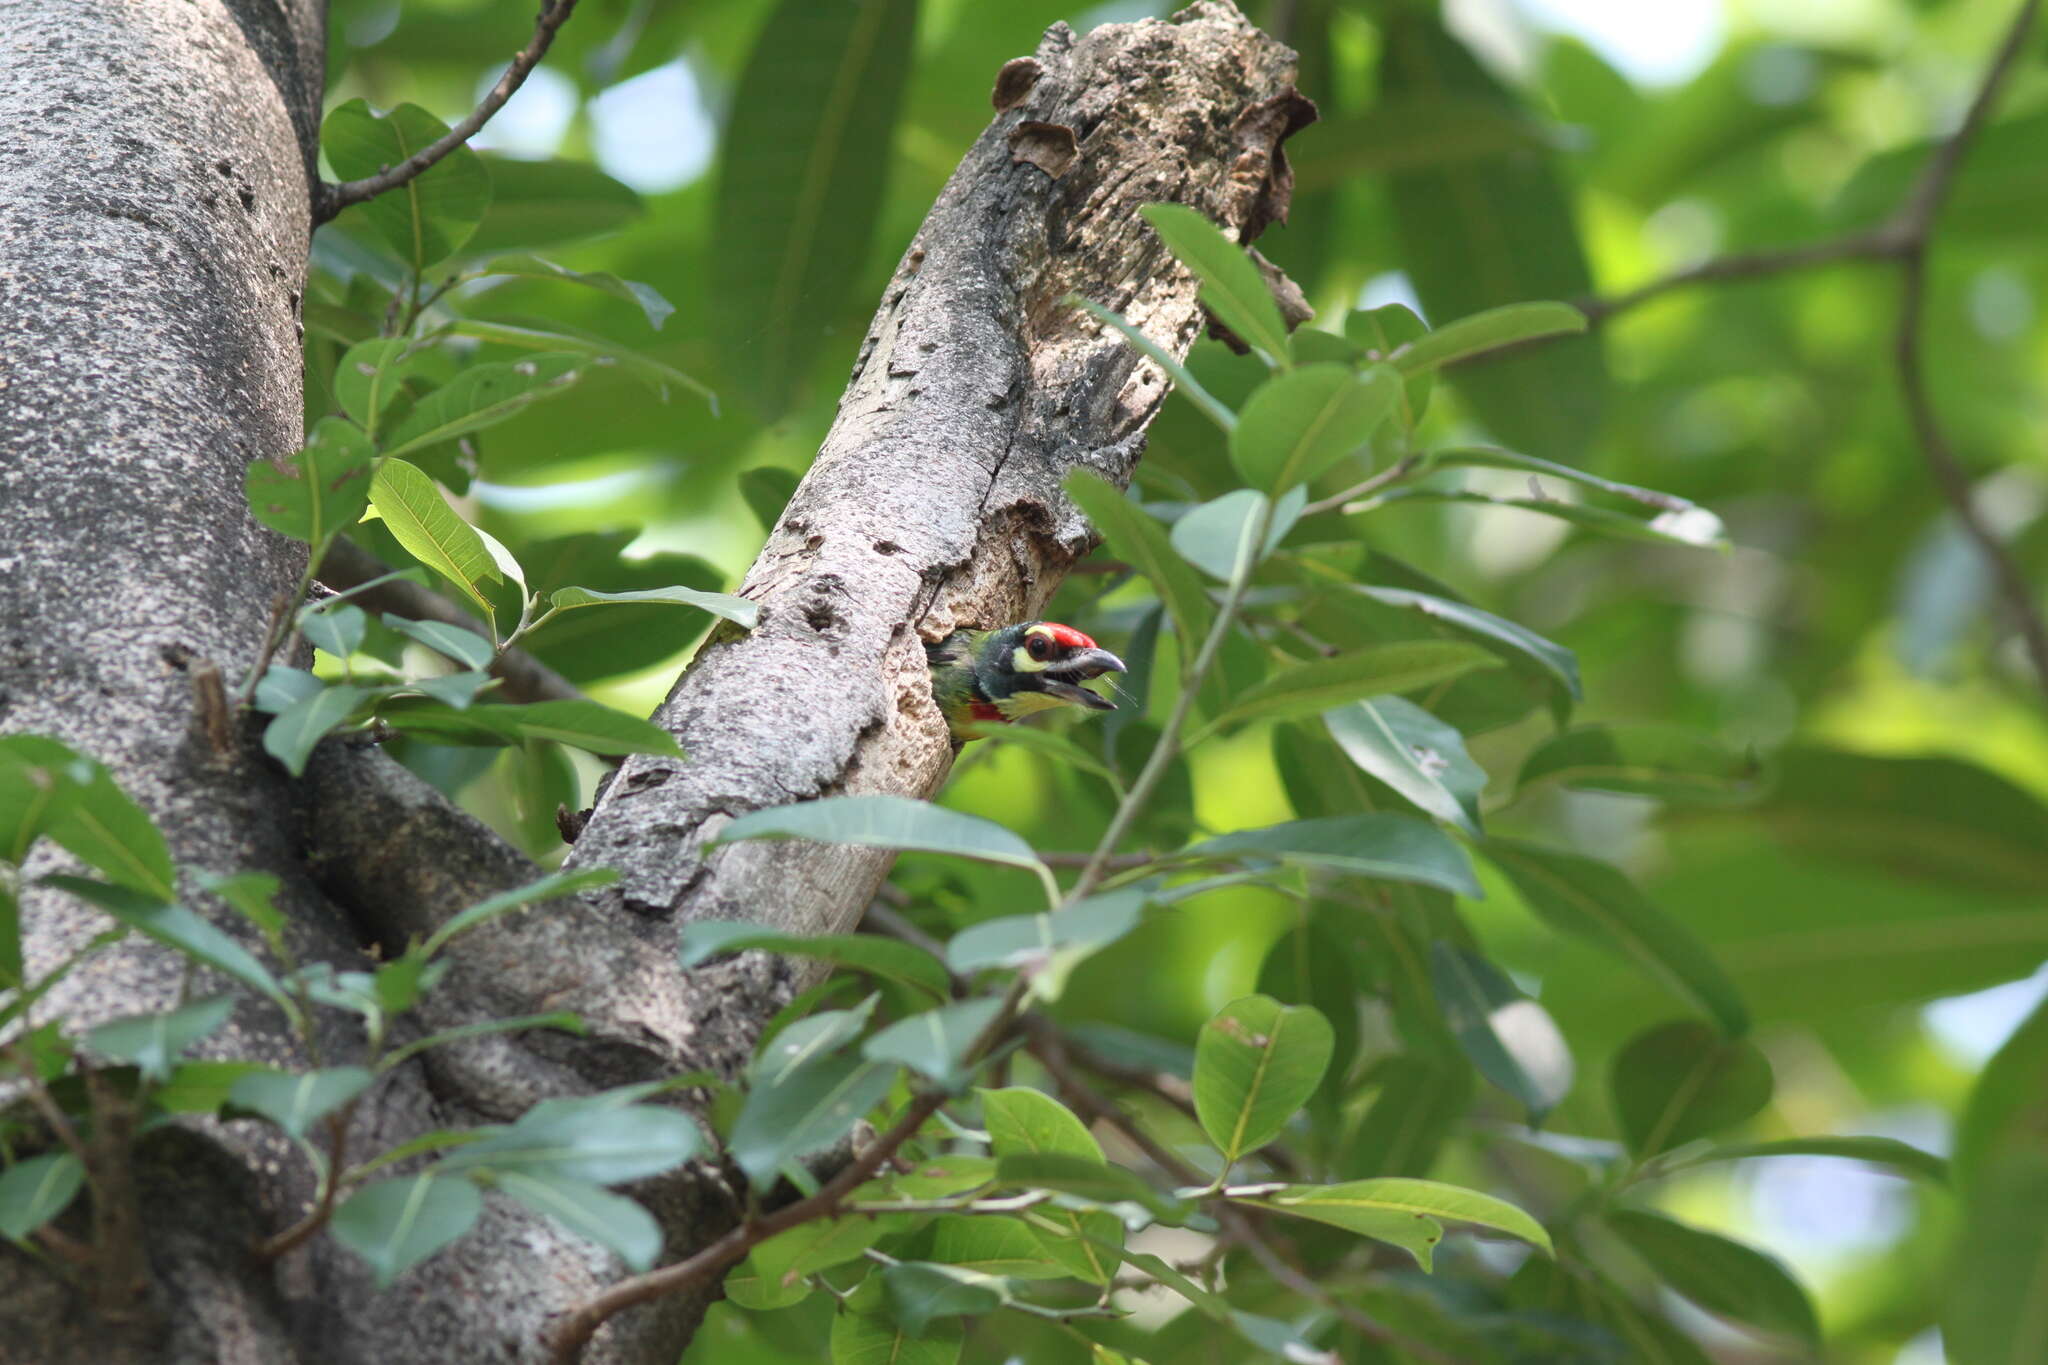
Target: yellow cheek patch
1022 662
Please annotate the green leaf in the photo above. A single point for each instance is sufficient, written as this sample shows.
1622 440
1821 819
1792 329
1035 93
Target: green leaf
1210 536
466 647
1392 847
1402 1212
1184 382
586 725
1594 901
1502 636
1509 1037
866 1332
801 182
292 733
1940 820
1991 1311
370 378
883 957
1141 542
920 1291
48 788
200 1087
431 215
34 1191
337 630
596 1139
1492 457
396 1224
935 1043
2004 1113
589 1211
1232 289
885 822
479 396
1696 527
1314 687
296 1101
541 203
738 610
1027 941
550 887
1297 425
319 490
415 512
1419 1102
1024 1122
1488 230
154 1041
555 340
439 720
1487 331
176 927
1645 760
1382 331
1410 750
1256 1063
1719 1275
1096 1181
806 1040
11 968
644 296
808 1107
282 688
1684 1080
1899 1158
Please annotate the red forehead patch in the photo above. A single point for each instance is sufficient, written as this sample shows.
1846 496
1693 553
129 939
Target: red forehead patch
1067 637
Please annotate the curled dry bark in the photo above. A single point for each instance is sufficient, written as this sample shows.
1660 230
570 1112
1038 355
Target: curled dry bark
154 172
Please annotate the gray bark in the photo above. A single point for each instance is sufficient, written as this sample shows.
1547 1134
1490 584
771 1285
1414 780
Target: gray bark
154 190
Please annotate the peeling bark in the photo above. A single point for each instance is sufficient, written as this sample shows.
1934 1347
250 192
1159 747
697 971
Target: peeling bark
154 169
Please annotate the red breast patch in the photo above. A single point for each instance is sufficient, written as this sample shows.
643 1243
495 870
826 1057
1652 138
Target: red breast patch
984 711
1067 637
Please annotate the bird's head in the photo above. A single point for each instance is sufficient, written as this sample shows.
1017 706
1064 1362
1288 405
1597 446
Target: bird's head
1006 674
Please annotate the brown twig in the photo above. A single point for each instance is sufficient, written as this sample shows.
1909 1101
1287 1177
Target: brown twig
1238 1226
323 1209
1902 240
347 565
569 1336
1916 222
331 199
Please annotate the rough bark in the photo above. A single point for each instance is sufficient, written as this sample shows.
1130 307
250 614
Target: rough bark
934 502
155 161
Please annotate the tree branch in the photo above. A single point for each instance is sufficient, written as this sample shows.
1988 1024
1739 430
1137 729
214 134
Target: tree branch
525 678
1903 239
331 199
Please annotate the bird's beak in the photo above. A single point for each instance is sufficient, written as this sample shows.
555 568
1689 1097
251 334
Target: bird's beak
1089 663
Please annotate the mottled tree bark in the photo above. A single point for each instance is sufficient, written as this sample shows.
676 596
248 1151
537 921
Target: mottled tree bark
155 163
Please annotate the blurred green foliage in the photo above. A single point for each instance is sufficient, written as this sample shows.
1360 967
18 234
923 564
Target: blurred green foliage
1846 651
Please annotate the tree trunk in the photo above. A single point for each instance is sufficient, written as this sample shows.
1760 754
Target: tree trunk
154 188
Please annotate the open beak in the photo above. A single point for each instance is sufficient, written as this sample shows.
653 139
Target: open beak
1089 663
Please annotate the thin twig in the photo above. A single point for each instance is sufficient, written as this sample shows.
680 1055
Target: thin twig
1903 240
1050 1049
1168 744
1916 222
569 1336
1878 244
332 199
1393 473
347 565
323 1208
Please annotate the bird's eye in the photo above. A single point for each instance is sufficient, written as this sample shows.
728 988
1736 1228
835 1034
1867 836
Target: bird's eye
1038 646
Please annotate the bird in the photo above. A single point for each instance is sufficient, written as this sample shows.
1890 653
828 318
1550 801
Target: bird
982 676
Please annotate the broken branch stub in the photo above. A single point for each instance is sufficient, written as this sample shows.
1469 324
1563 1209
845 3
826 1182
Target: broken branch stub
934 501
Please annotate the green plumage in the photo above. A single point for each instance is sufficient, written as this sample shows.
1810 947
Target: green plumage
991 676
